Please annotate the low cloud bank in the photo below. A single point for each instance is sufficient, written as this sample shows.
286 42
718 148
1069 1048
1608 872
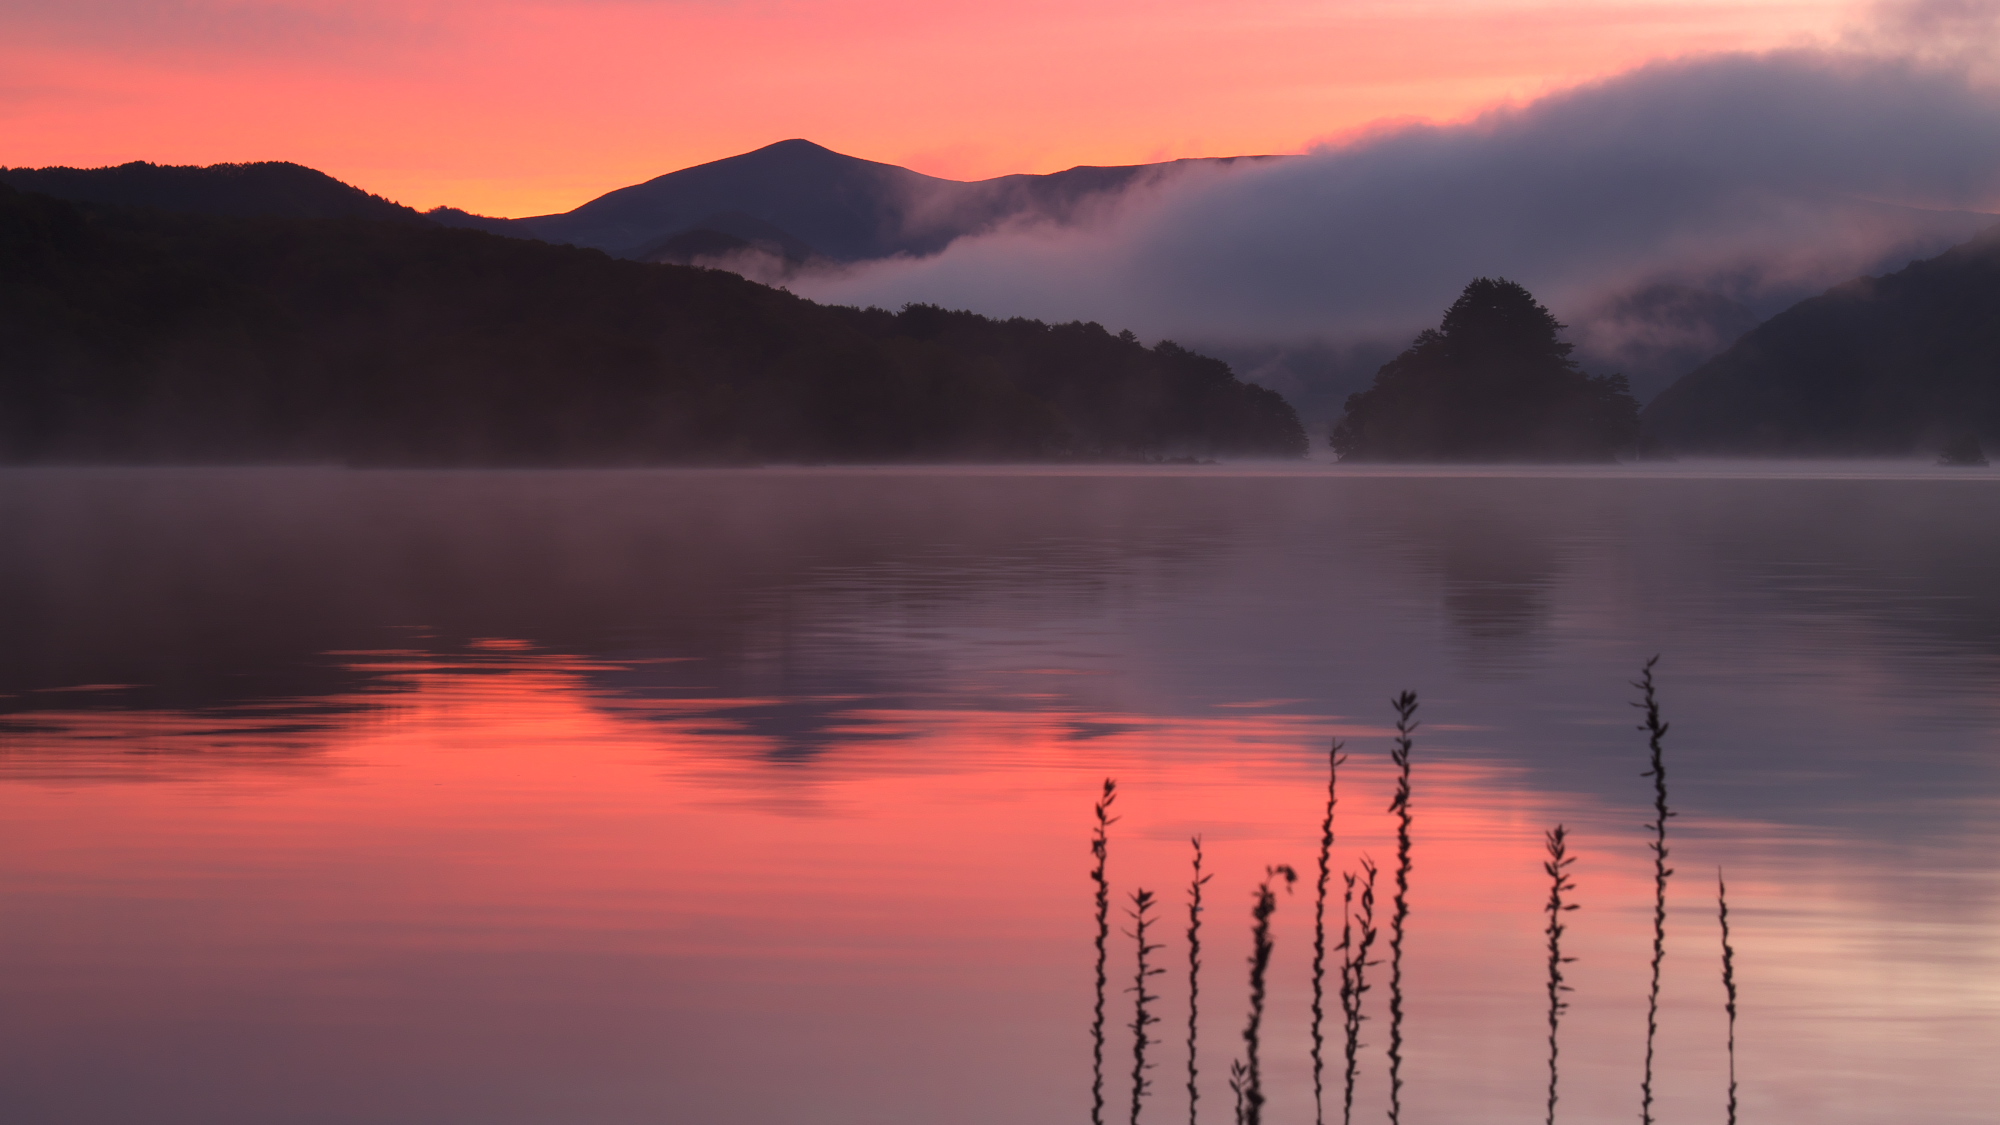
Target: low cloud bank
1731 183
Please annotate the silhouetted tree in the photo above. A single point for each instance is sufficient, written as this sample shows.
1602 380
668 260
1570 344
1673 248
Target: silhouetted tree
1494 382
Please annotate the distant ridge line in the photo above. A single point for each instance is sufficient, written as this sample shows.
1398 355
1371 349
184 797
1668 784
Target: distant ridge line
797 199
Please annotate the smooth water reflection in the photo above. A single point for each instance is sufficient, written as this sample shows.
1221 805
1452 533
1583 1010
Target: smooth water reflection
763 796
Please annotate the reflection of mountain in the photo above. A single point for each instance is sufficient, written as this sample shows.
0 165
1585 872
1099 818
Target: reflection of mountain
1818 634
225 592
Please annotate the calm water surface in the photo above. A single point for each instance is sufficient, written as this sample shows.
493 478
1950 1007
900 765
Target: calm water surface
763 797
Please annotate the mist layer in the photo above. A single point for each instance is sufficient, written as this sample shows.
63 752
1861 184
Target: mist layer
1753 178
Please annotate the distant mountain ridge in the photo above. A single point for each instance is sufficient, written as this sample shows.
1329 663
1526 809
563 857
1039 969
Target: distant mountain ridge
845 208
798 201
1881 366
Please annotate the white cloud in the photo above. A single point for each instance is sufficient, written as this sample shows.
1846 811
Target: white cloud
1750 174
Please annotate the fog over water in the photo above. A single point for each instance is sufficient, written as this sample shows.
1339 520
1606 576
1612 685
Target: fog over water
763 796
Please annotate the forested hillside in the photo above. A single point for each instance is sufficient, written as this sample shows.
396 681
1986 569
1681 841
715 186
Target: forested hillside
1884 366
138 336
271 189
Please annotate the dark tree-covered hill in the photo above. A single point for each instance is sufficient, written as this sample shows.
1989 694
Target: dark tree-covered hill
136 336
1884 366
269 189
1494 382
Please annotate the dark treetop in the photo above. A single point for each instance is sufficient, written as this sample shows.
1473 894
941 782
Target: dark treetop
135 336
1494 382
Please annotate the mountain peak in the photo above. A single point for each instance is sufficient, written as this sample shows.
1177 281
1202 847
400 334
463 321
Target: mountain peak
796 144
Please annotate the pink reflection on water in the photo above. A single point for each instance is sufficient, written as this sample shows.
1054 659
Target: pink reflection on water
494 891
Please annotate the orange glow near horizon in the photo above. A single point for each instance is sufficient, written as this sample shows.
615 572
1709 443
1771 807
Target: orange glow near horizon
535 106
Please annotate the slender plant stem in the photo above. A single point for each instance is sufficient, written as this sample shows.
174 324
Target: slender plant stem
1728 984
1557 867
1406 710
1142 920
1333 760
1656 730
1266 904
1194 977
1100 847
1357 937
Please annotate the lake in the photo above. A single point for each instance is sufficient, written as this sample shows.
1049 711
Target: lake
764 796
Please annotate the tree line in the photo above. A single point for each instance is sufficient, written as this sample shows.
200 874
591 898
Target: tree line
129 335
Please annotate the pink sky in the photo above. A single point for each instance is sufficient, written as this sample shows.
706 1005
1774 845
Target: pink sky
518 107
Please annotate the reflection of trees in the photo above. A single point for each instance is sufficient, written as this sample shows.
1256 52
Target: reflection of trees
805 598
1496 549
1497 582
220 590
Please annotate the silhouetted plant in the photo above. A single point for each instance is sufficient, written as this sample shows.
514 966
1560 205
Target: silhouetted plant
1406 710
1357 937
1333 760
1100 847
1142 920
1359 934
1728 983
1557 867
1194 976
1251 1096
1656 730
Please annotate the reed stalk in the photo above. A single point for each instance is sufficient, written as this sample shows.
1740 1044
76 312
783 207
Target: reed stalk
1406 709
1141 912
1357 937
1728 984
1656 731
1557 866
1194 978
1333 760
1251 1096
1100 848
